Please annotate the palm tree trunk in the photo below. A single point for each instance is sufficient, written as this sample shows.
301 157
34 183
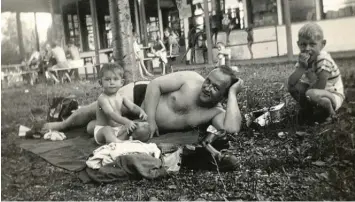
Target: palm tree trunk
122 38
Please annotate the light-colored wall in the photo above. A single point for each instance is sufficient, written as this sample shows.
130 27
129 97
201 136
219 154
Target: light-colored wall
339 33
271 41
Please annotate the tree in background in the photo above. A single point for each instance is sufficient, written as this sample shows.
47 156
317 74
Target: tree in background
10 53
122 38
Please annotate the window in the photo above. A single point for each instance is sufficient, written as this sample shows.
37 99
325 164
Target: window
153 28
89 27
108 32
235 11
302 10
73 25
338 8
263 12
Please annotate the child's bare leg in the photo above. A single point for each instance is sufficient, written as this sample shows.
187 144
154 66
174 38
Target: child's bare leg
90 128
322 98
106 135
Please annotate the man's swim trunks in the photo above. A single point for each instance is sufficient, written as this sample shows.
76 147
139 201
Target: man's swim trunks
139 92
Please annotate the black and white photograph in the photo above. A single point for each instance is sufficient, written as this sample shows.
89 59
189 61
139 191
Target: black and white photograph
177 100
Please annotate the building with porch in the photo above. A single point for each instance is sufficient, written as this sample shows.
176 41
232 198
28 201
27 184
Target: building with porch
87 21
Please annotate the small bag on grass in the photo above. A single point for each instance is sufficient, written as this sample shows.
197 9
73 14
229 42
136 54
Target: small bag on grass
61 108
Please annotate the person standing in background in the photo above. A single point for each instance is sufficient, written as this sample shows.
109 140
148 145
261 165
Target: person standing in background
250 39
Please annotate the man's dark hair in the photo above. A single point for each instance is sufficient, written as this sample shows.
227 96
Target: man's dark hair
230 72
114 67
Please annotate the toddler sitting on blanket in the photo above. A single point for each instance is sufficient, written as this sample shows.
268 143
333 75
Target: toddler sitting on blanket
111 126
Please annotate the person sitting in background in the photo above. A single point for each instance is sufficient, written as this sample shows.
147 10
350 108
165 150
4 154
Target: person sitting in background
224 54
35 59
316 83
58 54
74 55
171 41
73 51
158 50
139 55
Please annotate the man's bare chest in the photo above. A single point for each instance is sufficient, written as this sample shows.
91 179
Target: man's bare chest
189 112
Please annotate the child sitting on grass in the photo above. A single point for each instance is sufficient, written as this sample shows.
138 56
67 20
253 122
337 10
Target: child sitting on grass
111 126
316 83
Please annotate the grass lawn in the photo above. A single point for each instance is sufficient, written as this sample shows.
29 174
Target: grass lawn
318 164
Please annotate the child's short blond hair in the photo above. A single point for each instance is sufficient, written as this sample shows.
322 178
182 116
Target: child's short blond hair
111 67
311 30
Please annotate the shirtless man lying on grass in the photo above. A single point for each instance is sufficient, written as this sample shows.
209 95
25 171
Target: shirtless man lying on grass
176 102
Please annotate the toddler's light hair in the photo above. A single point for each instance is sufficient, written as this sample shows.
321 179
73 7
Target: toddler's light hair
111 67
311 30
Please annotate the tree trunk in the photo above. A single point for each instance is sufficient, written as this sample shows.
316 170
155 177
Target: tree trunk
20 36
288 29
122 38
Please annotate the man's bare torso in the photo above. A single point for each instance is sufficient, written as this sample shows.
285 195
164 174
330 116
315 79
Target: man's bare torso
178 110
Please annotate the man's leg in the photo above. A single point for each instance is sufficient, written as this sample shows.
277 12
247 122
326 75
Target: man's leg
79 118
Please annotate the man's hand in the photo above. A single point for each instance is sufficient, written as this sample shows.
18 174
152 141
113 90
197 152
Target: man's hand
237 87
303 59
153 128
143 116
130 126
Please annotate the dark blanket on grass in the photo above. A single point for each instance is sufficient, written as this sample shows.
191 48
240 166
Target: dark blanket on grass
72 153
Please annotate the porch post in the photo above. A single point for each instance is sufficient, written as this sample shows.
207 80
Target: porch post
144 34
95 30
51 9
318 10
288 29
136 8
279 12
114 28
79 22
160 18
208 31
19 35
246 13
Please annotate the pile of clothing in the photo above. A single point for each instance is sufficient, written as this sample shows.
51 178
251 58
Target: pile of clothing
133 160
